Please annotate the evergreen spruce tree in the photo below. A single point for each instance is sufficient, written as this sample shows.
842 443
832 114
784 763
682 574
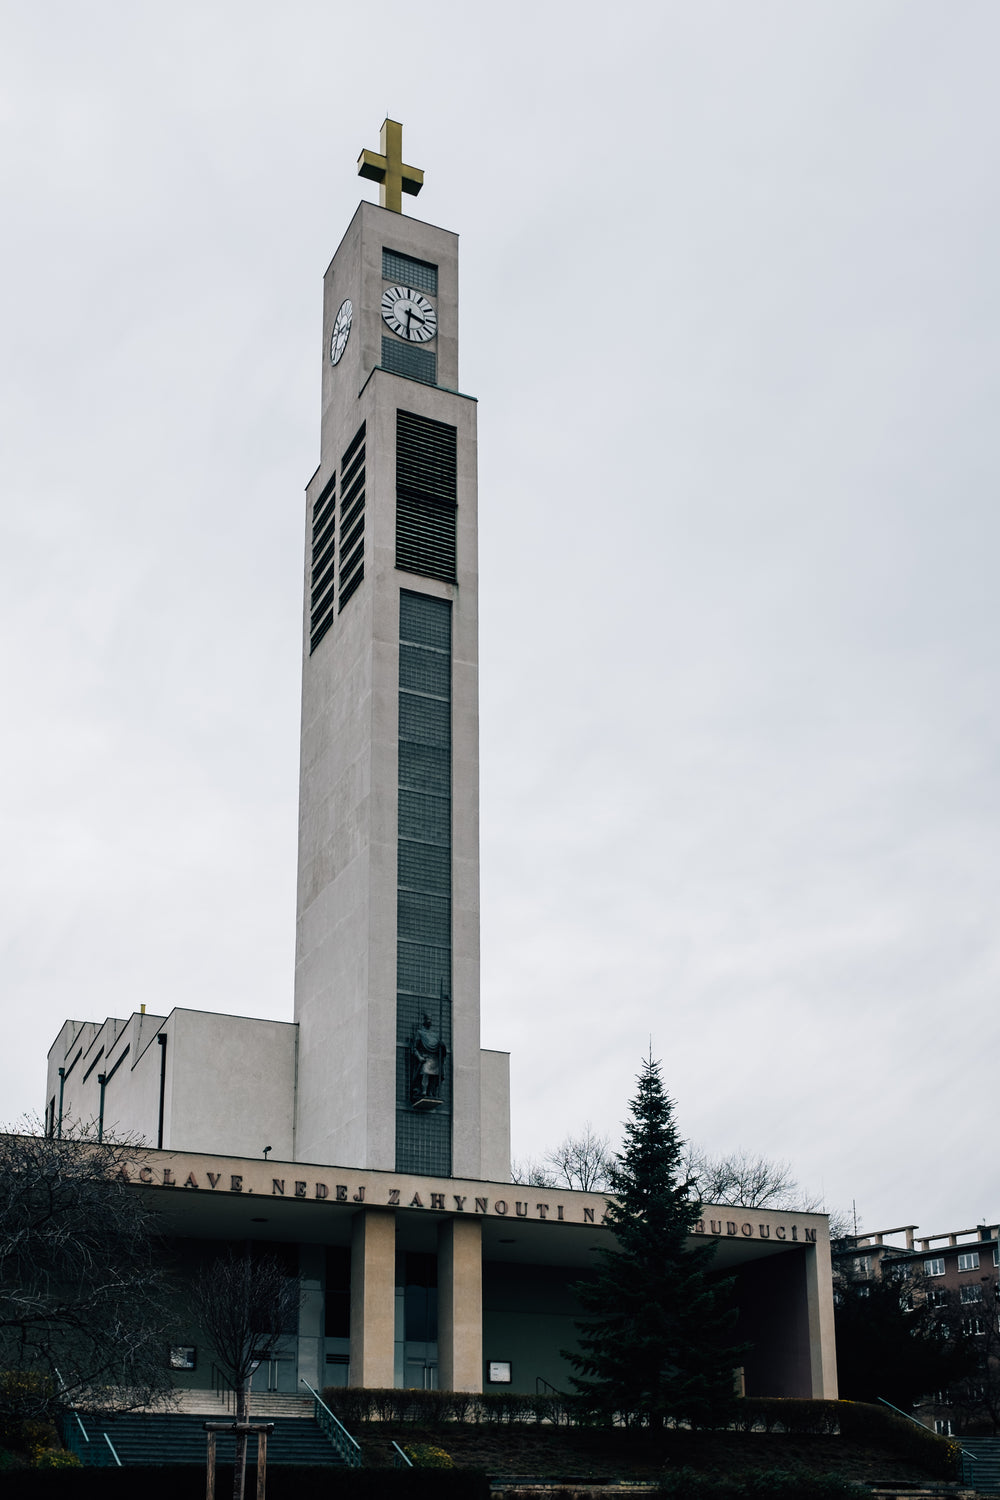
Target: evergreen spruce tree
655 1342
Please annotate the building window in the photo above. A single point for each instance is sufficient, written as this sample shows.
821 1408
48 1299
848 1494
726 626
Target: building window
935 1266
937 1297
969 1260
942 1426
416 273
970 1294
973 1327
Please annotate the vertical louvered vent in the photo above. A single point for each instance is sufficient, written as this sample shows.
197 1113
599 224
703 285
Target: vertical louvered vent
323 565
352 517
426 496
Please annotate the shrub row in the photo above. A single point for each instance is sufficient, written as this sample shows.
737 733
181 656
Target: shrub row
909 1440
291 1482
354 1405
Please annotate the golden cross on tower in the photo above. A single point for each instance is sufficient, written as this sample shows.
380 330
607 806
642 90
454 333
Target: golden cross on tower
388 170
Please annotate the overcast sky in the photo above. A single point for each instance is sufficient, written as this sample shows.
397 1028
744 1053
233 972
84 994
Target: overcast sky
729 305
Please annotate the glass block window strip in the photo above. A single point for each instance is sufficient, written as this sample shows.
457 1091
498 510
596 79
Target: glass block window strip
423 911
352 517
321 563
416 273
400 358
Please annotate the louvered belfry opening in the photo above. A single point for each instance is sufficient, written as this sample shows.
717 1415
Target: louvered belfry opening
426 496
323 565
352 517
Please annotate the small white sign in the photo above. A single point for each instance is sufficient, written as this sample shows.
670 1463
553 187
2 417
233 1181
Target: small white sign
500 1372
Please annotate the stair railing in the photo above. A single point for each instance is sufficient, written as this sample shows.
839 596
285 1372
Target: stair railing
111 1445
223 1387
400 1459
968 1459
333 1429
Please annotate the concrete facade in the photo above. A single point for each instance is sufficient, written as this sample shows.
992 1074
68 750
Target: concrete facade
346 956
410 1276
193 1080
503 1260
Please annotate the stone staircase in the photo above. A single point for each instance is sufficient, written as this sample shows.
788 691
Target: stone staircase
264 1406
179 1438
985 1476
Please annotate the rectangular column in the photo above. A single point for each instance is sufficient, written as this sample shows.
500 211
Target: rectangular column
819 1302
460 1305
311 1316
373 1298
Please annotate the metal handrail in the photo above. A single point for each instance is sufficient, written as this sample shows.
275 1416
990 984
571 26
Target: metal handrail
407 1460
348 1447
223 1386
114 1454
967 1457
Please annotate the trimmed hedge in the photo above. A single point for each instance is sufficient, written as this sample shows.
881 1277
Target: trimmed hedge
940 1456
284 1482
354 1405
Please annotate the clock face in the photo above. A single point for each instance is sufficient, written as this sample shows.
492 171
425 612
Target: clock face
341 331
409 314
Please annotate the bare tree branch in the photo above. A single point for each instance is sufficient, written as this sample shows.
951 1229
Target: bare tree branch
85 1309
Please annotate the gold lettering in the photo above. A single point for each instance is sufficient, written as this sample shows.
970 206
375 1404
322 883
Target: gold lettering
543 1209
236 1183
715 1226
437 1200
277 1186
730 1227
588 1216
213 1179
779 1233
459 1203
521 1209
482 1205
765 1231
500 1207
810 1235
359 1196
415 1201
746 1229
322 1191
191 1180
394 1197
168 1178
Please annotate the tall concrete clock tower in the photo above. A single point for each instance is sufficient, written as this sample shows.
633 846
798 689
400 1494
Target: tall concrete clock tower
390 1073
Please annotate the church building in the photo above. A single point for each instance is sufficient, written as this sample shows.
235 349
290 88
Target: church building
369 1137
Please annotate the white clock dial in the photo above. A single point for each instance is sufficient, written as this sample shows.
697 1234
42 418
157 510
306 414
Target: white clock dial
341 330
409 314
